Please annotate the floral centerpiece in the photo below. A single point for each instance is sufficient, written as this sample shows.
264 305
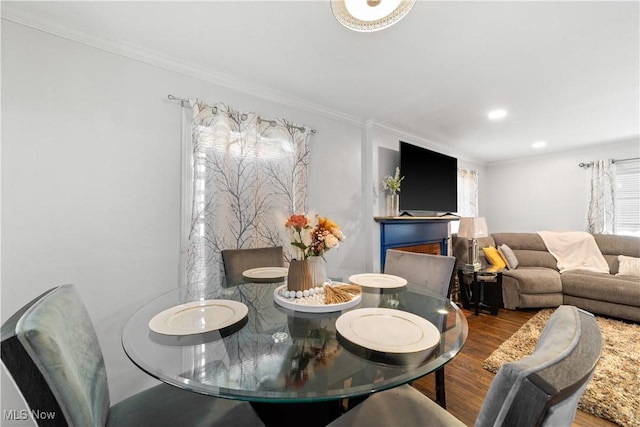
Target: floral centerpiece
313 240
310 241
392 183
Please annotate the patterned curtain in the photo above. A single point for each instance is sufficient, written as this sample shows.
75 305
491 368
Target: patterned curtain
601 215
467 192
248 175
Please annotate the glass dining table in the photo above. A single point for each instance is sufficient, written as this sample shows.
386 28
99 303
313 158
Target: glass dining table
276 355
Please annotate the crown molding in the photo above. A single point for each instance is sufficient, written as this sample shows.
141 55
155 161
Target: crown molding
411 137
14 14
583 150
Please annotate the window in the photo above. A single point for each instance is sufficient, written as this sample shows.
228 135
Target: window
627 198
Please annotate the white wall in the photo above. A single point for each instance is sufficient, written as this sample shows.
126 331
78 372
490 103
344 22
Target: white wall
547 192
91 181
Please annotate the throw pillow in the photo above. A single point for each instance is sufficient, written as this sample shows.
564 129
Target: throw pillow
509 256
628 266
494 257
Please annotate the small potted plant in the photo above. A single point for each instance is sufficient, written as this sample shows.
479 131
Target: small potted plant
392 184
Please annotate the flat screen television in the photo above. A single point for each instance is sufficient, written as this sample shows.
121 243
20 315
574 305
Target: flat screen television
430 185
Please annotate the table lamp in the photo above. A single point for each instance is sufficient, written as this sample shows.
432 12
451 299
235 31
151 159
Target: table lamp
473 228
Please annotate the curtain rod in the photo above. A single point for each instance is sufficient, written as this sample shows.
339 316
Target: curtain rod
185 103
588 165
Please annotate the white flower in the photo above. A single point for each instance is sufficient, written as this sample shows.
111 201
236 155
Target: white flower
392 183
331 241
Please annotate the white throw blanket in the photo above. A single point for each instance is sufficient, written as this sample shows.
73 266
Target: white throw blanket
575 250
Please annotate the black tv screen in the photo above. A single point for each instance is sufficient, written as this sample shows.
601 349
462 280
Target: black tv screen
430 180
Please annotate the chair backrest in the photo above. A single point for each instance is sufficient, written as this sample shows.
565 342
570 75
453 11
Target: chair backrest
543 389
51 350
433 272
236 261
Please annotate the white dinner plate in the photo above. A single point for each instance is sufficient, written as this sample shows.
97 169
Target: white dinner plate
198 317
375 280
265 273
388 330
298 305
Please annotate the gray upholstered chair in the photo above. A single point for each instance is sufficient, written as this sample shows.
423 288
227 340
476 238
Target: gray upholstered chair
542 389
433 272
52 352
236 261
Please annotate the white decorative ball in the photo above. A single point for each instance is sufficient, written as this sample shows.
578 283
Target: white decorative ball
299 294
312 291
305 293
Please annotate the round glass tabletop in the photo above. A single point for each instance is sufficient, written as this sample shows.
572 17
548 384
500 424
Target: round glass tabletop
275 354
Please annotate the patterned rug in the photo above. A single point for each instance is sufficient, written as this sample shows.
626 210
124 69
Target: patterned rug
614 390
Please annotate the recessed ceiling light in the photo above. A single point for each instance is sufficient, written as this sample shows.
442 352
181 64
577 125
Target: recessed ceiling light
538 144
497 114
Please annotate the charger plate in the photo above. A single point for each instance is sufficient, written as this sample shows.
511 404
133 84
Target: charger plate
303 304
265 274
198 317
376 280
388 330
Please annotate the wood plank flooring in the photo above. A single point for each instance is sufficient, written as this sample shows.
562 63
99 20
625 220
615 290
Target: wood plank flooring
467 381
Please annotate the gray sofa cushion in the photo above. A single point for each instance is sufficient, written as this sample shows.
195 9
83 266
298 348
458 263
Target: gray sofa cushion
509 257
611 246
621 311
528 248
531 287
603 287
523 241
535 280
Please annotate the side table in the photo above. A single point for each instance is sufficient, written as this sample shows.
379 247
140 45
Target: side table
482 290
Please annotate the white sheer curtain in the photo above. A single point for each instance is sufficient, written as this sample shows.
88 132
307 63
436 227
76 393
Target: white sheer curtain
248 174
467 195
467 192
601 215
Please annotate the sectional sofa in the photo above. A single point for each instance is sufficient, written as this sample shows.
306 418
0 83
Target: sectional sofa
537 281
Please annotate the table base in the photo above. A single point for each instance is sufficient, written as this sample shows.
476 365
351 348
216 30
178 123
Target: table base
312 414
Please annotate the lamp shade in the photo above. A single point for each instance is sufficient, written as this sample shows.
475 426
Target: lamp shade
473 228
370 15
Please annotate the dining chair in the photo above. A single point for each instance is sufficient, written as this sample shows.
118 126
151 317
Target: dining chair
433 272
51 350
236 261
542 389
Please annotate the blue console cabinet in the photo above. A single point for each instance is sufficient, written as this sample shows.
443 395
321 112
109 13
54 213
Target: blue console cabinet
413 232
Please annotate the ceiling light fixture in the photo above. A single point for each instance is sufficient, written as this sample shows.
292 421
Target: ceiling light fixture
538 144
370 15
497 114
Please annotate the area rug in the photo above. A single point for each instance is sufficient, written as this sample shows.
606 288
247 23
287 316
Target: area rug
614 390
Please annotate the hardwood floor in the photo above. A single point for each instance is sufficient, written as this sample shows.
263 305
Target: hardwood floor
467 381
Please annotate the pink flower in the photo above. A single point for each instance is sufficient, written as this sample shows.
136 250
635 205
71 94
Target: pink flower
299 222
